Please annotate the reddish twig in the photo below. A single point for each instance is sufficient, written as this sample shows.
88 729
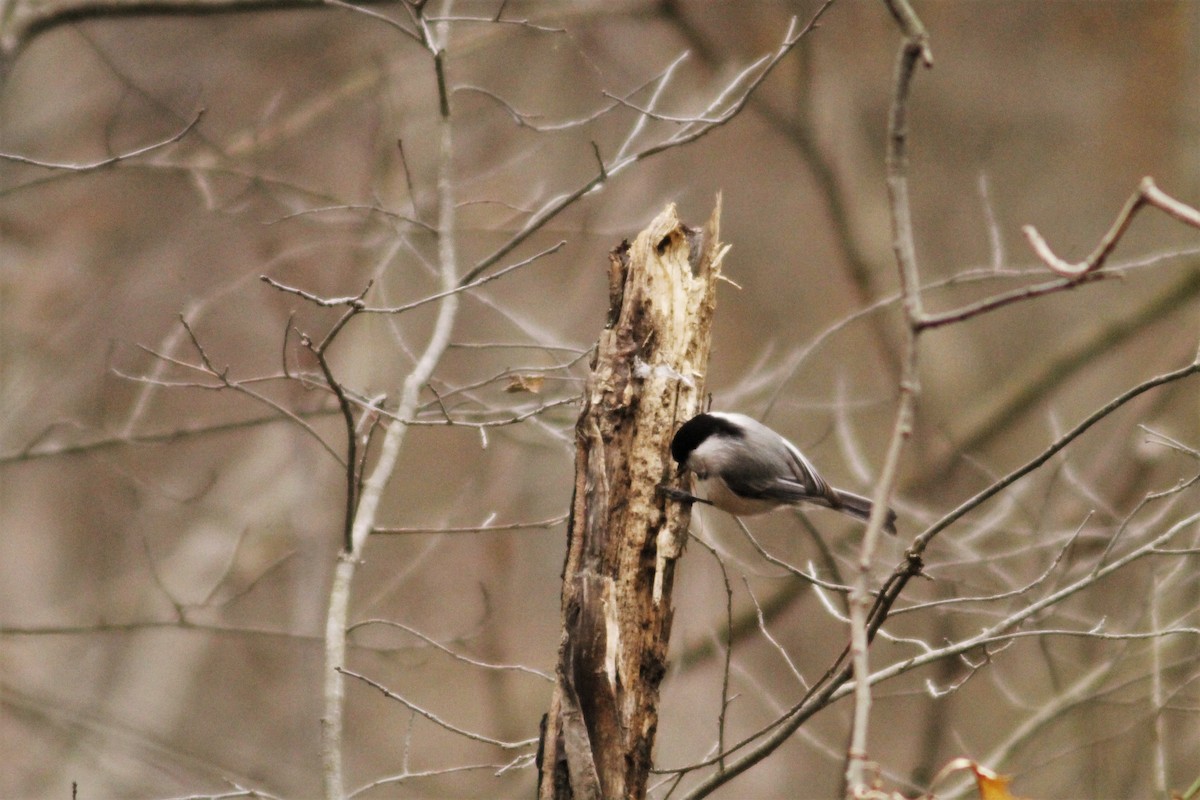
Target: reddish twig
930 321
1147 194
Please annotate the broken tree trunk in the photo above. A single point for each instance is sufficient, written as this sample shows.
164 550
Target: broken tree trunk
623 536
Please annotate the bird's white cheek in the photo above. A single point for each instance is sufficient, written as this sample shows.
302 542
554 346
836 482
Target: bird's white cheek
715 491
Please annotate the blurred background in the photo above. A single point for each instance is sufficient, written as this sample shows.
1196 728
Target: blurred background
166 549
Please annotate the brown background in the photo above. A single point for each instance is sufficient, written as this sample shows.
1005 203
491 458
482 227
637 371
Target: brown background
1059 107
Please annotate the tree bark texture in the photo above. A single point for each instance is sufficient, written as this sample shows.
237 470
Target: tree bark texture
623 537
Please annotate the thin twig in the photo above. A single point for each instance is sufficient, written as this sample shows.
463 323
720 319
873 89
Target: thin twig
766 634
491 423
429 715
557 205
1001 630
376 16
1025 390
224 382
524 119
408 181
453 654
779 562
524 23
352 207
515 526
466 287
238 791
347 409
966 506
111 160
406 776
35 450
979 307
725 700
1059 555
640 123
834 687
1147 193
324 302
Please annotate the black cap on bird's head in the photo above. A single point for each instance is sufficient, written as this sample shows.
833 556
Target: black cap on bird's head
696 430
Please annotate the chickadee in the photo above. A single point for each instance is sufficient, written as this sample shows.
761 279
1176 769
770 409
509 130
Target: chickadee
745 468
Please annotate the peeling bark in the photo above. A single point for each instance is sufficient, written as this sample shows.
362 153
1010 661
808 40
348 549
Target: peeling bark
623 537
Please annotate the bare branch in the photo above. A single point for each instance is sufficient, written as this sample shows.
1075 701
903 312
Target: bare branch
650 113
465 287
1037 581
135 626
524 23
1002 628
640 124
515 526
406 776
1147 194
429 715
408 181
371 492
111 160
481 424
799 573
525 120
238 791
453 654
35 450
347 409
557 205
766 634
325 302
350 207
930 321
225 382
384 18
946 521
728 643
914 47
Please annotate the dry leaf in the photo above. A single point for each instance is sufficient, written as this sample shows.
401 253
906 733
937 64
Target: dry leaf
525 383
991 786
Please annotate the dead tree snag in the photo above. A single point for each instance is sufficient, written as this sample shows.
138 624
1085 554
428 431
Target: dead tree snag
623 537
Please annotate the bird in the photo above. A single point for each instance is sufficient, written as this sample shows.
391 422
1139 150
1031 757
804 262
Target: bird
746 468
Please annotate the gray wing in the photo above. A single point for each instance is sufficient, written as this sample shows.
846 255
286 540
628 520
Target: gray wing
807 474
781 490
793 482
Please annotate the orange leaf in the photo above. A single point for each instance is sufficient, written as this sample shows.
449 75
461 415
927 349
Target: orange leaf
525 383
991 786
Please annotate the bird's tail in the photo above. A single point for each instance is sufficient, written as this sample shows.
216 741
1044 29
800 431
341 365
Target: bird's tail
860 507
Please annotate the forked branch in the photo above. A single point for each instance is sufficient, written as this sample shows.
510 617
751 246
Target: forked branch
1147 194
